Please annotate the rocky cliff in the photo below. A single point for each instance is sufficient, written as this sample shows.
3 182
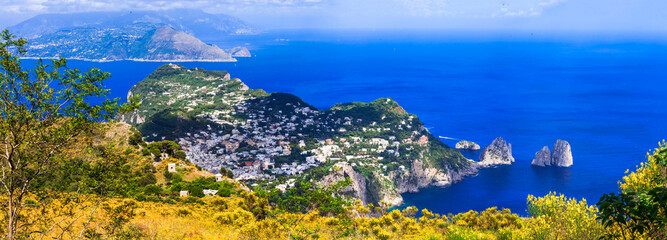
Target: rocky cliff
240 52
560 157
343 170
467 145
389 187
498 153
542 157
562 154
168 44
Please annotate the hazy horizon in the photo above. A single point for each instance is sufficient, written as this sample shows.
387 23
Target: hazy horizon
586 16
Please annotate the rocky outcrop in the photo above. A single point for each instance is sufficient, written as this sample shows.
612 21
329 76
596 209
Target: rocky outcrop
396 182
542 157
343 170
169 44
240 52
562 154
560 157
498 153
467 145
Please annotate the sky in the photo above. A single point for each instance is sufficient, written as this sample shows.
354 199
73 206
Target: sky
548 15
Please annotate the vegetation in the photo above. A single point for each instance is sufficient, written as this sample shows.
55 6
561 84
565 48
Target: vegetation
65 176
38 120
640 210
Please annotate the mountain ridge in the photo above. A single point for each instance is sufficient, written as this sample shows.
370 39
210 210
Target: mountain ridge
139 36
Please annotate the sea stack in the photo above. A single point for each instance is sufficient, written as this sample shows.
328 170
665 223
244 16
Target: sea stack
542 158
498 153
562 154
560 157
467 145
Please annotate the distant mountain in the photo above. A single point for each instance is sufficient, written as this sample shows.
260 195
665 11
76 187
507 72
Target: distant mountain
145 36
200 24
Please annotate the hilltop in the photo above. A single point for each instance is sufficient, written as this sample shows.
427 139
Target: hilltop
194 22
268 139
140 36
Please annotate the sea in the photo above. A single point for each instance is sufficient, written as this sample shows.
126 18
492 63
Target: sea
603 93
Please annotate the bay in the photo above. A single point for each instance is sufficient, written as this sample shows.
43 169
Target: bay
606 97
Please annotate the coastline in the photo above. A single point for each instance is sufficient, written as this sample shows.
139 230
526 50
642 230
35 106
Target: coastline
137 60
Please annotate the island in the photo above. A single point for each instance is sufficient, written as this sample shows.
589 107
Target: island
139 36
268 139
467 145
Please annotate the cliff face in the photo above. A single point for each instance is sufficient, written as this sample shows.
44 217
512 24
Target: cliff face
343 170
389 187
562 154
542 157
168 44
498 153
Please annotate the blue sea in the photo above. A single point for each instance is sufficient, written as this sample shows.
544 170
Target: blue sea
603 94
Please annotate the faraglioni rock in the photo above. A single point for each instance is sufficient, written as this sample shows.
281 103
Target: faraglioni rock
542 157
467 145
562 154
498 153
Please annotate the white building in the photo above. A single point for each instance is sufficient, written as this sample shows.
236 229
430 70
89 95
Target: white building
209 192
171 167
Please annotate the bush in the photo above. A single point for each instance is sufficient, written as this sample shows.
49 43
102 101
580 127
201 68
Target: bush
565 218
640 210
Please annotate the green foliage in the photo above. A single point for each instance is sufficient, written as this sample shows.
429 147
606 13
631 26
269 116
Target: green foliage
113 175
226 189
41 111
136 138
169 147
172 124
634 214
306 197
640 210
118 216
226 172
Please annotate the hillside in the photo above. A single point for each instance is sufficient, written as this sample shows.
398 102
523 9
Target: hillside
194 22
141 36
132 206
267 139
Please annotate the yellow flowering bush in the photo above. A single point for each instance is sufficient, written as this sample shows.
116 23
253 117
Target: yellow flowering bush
567 218
648 175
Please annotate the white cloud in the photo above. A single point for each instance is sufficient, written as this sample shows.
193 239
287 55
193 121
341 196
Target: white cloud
477 8
63 6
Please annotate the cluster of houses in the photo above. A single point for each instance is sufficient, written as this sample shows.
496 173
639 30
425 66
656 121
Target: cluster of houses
264 134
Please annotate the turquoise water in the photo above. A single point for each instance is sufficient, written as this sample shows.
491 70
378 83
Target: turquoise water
607 98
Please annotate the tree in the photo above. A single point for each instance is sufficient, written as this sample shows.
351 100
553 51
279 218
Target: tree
42 112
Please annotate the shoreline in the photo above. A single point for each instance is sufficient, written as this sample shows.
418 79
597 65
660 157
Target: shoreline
136 60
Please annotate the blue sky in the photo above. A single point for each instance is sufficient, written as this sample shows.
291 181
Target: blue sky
562 15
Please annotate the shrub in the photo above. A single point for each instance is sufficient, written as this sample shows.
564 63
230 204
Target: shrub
566 218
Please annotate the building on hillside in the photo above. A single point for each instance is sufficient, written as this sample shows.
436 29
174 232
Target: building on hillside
184 193
171 167
219 177
209 192
423 140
